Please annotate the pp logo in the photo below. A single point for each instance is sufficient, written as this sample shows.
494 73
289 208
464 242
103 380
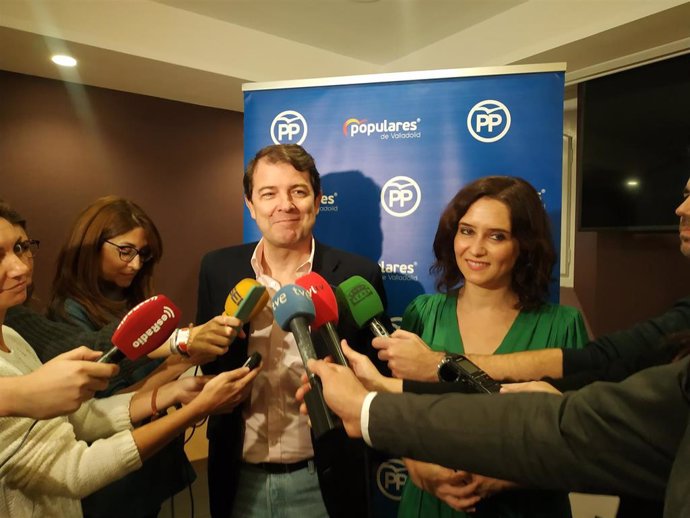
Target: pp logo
289 127
391 477
488 121
400 196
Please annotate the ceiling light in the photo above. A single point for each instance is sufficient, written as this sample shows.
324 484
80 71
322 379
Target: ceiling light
64 61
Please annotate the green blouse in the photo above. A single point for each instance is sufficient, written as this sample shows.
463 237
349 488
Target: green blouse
434 319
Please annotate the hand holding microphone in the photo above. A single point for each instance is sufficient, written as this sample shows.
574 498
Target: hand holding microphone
342 391
213 338
293 311
408 356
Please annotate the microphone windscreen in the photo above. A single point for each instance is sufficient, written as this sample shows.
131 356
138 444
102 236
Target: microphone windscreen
290 302
323 297
146 327
246 300
360 297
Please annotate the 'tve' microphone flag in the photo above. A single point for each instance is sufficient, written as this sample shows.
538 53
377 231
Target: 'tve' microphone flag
326 309
363 302
246 300
145 328
293 310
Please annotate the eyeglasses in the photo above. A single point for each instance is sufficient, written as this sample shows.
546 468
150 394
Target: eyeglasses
26 249
128 253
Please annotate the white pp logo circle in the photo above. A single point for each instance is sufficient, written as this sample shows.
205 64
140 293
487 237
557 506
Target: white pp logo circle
400 196
289 127
391 477
488 121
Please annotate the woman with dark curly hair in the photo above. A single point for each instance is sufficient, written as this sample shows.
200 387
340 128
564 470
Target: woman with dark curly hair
494 259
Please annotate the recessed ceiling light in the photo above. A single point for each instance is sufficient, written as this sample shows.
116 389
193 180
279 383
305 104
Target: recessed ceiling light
64 61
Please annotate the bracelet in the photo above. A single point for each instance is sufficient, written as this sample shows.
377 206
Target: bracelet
188 345
155 413
171 342
181 341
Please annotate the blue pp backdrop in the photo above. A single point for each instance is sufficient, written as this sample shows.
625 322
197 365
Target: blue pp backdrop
393 150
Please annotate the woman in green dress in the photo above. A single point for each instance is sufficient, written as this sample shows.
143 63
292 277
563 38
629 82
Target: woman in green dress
494 260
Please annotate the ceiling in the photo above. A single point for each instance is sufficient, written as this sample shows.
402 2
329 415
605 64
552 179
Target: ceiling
202 51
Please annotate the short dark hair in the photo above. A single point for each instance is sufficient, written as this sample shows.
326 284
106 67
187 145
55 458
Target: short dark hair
529 226
292 154
11 215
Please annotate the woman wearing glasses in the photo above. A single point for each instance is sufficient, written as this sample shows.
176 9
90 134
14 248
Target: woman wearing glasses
45 465
106 266
105 269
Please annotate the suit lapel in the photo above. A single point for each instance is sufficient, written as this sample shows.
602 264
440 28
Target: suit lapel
325 261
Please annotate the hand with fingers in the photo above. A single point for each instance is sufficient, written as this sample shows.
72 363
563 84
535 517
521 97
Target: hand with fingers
460 490
224 391
367 372
408 356
212 339
61 385
343 392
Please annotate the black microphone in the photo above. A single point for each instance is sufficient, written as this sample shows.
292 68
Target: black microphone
293 310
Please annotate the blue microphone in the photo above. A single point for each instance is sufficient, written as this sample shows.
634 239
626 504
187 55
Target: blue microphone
293 310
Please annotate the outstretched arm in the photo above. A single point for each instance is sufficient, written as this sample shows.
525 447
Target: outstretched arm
58 387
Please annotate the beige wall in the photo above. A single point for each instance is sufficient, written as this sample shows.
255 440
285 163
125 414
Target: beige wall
63 145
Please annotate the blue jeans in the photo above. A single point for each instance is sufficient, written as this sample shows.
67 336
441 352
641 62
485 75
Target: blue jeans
285 495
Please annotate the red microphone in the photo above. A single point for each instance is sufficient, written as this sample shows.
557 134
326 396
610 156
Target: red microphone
326 310
145 328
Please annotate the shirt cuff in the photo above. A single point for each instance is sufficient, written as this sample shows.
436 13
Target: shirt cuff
364 417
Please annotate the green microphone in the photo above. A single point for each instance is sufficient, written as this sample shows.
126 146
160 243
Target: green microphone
363 302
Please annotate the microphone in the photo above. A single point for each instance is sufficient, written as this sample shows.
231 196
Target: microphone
246 300
145 328
293 310
326 309
363 302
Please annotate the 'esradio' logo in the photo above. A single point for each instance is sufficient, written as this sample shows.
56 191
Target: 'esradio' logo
488 121
289 127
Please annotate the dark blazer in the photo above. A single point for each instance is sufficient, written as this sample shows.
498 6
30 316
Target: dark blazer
340 461
628 438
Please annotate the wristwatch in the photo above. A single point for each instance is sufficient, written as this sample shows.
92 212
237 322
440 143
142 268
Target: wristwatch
444 371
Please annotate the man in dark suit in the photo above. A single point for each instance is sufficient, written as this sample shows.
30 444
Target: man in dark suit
267 443
628 438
